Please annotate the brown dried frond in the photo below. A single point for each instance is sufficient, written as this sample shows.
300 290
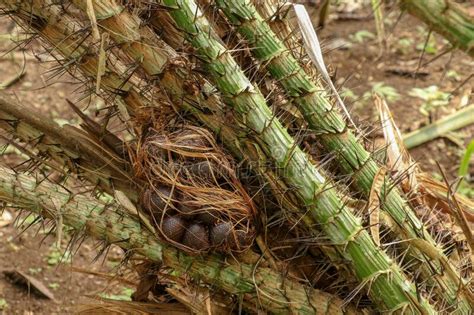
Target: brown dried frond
109 306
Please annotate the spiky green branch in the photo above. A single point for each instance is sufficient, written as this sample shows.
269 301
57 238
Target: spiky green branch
314 103
69 40
446 18
71 149
388 284
111 223
127 31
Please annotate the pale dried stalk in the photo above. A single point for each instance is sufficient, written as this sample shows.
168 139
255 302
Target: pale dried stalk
72 149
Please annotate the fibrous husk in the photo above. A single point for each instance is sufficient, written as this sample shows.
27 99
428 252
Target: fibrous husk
192 190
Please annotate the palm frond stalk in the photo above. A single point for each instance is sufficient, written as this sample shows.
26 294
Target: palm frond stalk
111 223
336 137
66 149
218 120
388 285
69 39
446 18
66 35
455 121
127 31
354 228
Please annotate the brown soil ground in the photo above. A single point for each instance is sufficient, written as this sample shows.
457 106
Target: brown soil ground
365 64
359 66
32 253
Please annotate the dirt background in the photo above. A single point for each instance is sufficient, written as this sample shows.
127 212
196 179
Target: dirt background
359 67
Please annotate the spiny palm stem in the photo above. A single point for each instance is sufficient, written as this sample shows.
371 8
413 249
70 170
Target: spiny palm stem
110 223
145 50
322 117
67 38
70 38
71 149
388 284
446 18
123 36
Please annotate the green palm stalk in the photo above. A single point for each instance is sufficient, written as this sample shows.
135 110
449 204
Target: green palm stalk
337 138
69 40
111 223
388 285
126 29
446 18
112 27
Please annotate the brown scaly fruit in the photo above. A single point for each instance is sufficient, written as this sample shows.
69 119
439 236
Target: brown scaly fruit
197 237
173 228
